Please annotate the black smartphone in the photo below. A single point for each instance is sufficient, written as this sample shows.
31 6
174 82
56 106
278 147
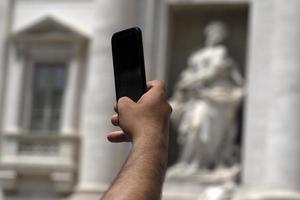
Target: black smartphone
128 62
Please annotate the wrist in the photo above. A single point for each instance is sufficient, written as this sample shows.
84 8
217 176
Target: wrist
152 142
150 148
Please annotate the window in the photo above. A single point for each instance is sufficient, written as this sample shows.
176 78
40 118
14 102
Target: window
48 89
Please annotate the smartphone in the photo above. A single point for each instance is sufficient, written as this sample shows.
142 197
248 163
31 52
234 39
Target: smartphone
128 62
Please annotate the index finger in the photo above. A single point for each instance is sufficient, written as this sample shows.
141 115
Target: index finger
156 83
156 90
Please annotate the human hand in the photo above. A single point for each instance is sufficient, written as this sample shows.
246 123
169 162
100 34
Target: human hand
146 121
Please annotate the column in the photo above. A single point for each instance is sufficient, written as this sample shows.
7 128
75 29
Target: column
283 143
272 141
100 160
4 26
14 91
257 100
72 97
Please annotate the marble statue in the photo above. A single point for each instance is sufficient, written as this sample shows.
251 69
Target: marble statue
205 104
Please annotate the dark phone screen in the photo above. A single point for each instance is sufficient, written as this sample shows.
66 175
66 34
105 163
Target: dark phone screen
128 65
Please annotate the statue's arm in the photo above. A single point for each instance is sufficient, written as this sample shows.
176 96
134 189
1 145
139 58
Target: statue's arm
237 77
206 75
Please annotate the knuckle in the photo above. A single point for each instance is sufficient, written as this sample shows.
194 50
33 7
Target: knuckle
169 108
161 83
163 86
122 101
161 94
158 82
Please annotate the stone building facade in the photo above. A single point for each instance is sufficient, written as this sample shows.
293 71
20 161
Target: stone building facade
57 89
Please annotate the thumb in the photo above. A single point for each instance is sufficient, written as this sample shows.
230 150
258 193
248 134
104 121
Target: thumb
125 103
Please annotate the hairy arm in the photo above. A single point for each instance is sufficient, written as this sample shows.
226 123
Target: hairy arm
145 124
141 177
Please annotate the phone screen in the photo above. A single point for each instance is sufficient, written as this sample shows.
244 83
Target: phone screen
129 64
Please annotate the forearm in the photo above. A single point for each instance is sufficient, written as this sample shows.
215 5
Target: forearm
146 125
143 174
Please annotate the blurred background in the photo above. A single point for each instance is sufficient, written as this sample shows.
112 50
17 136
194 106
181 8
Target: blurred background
232 70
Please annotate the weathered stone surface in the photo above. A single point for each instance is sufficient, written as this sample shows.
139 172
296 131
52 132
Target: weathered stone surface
257 101
272 141
100 160
283 143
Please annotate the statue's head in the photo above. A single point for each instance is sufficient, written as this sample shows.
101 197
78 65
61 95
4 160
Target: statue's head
215 33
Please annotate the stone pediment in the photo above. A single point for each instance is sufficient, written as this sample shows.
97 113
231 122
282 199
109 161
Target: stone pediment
49 29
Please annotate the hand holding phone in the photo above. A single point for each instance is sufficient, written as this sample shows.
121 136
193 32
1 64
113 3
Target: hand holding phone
128 61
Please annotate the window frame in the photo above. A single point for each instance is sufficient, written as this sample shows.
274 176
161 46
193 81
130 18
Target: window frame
47 122
42 53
